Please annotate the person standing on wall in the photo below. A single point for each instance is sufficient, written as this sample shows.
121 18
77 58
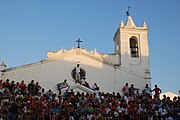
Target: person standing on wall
157 91
78 76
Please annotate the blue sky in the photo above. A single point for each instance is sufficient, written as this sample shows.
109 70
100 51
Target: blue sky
29 29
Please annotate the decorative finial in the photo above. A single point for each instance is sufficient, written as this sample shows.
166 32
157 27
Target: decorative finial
122 24
127 13
144 25
78 41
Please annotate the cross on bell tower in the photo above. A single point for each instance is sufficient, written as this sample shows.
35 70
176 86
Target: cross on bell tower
127 13
78 41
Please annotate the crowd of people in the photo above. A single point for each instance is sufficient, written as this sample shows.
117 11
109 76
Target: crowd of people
32 102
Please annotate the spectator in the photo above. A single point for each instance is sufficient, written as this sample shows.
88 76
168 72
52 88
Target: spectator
95 87
137 95
1 84
147 90
126 89
84 82
62 85
22 87
37 88
31 87
6 84
49 93
13 111
12 87
163 112
132 90
157 91
78 105
42 91
17 87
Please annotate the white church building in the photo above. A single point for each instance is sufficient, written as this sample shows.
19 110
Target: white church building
128 64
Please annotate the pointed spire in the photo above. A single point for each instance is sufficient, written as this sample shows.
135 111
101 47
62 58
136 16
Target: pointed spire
130 22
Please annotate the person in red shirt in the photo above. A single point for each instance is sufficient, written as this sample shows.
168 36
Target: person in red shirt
22 86
157 91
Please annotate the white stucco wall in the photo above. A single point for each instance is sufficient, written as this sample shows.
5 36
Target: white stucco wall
49 73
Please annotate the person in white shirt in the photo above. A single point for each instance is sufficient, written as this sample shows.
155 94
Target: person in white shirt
163 112
77 76
62 85
94 87
82 81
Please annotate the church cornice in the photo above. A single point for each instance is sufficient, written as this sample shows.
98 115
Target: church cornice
108 59
23 66
139 29
93 54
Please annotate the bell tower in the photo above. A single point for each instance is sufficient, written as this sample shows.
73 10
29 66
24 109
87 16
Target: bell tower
131 43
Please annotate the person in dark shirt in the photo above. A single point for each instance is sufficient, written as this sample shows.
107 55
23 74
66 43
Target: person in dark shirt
31 88
12 87
13 111
132 90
